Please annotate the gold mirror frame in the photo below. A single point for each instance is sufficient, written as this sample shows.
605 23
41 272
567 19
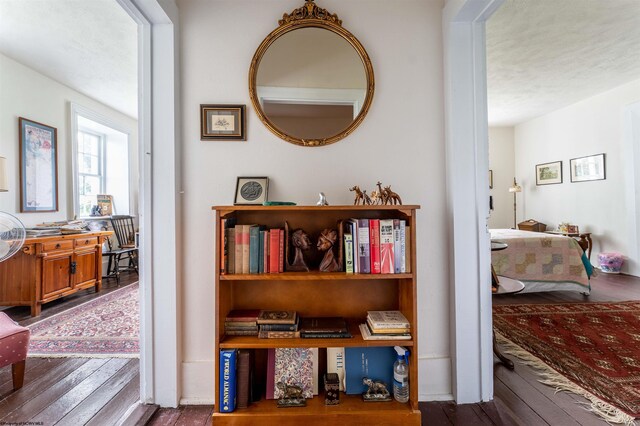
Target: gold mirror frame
310 15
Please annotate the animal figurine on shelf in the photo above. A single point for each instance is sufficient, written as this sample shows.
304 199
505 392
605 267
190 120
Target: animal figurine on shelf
322 201
291 396
376 390
376 198
366 200
359 195
392 197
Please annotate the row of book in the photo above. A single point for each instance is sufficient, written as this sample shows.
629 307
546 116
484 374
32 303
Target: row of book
251 249
283 324
386 325
299 366
377 246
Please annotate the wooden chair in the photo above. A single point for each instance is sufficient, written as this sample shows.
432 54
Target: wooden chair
124 231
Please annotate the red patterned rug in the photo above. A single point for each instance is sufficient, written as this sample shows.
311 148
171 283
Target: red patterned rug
595 346
105 327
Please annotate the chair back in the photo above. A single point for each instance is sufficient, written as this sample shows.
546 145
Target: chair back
124 230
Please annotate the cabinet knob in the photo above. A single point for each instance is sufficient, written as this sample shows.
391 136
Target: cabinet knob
57 245
86 241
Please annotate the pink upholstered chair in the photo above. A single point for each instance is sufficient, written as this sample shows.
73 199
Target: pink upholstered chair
14 341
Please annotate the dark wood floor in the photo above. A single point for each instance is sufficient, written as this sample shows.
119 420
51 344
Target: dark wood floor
99 391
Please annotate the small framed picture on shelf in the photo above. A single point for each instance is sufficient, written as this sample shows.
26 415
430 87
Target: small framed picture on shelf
549 173
251 190
572 229
588 168
223 122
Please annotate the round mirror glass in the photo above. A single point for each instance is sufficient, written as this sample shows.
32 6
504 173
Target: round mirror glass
311 86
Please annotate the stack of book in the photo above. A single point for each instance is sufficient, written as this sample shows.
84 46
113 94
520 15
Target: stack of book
242 322
386 325
324 328
278 325
251 249
377 246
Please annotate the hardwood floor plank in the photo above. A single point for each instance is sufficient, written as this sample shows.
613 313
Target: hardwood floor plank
5 373
92 404
433 415
506 413
166 417
463 414
76 395
52 393
141 415
195 415
484 417
115 408
33 372
39 384
522 412
535 399
492 411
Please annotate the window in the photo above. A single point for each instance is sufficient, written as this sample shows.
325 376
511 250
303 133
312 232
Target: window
101 162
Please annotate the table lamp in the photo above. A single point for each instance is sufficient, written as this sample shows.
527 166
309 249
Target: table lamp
4 181
515 189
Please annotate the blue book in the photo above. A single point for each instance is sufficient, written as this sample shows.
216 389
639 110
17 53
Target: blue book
227 379
373 362
261 253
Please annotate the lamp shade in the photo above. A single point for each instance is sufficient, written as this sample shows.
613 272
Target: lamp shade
4 181
515 187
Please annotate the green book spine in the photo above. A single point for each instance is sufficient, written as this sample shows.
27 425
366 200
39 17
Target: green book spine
254 249
348 253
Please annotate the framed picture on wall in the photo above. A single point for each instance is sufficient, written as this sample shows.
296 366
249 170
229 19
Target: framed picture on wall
222 122
588 168
251 190
549 173
38 167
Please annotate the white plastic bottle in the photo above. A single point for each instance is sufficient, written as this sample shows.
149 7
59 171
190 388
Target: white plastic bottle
401 375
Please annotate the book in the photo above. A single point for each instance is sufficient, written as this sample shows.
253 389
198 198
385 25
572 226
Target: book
243 315
387 258
231 242
277 317
243 385
254 249
278 334
253 332
352 228
274 249
364 249
335 364
387 319
407 257
315 372
261 251
387 330
238 251
403 247
373 362
225 226
348 253
240 325
227 380
294 366
323 325
374 245
367 335
246 246
281 252
265 249
271 366
105 203
279 327
397 247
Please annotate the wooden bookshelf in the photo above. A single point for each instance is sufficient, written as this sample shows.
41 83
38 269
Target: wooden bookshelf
317 294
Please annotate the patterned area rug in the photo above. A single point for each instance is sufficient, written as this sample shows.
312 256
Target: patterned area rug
106 327
595 348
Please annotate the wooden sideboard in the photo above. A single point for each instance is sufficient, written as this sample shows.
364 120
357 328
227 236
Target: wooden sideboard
47 268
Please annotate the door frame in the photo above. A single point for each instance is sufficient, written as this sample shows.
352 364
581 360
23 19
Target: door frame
467 160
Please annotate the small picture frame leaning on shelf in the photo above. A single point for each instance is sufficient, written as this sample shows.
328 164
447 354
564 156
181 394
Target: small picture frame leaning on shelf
251 190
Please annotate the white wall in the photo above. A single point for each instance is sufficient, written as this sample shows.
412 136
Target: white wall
409 155
592 126
29 94
502 162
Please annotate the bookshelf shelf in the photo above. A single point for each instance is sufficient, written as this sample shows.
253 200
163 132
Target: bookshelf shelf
312 276
317 294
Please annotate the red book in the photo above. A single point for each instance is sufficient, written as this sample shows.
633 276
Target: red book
274 249
243 315
281 251
387 259
374 241
271 372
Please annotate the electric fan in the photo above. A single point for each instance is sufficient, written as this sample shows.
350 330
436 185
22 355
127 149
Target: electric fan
12 235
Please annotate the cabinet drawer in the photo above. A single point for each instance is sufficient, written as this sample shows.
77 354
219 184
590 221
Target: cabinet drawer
84 242
57 245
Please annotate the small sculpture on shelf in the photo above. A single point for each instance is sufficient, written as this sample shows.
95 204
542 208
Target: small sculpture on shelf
291 396
387 196
359 195
376 198
376 392
322 201
300 241
326 240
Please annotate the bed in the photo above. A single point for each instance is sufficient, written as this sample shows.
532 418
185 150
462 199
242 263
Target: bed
543 262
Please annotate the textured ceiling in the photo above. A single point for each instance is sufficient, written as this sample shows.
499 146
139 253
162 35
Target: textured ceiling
543 55
88 45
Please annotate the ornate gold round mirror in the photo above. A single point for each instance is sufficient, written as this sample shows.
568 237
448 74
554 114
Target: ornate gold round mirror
311 81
